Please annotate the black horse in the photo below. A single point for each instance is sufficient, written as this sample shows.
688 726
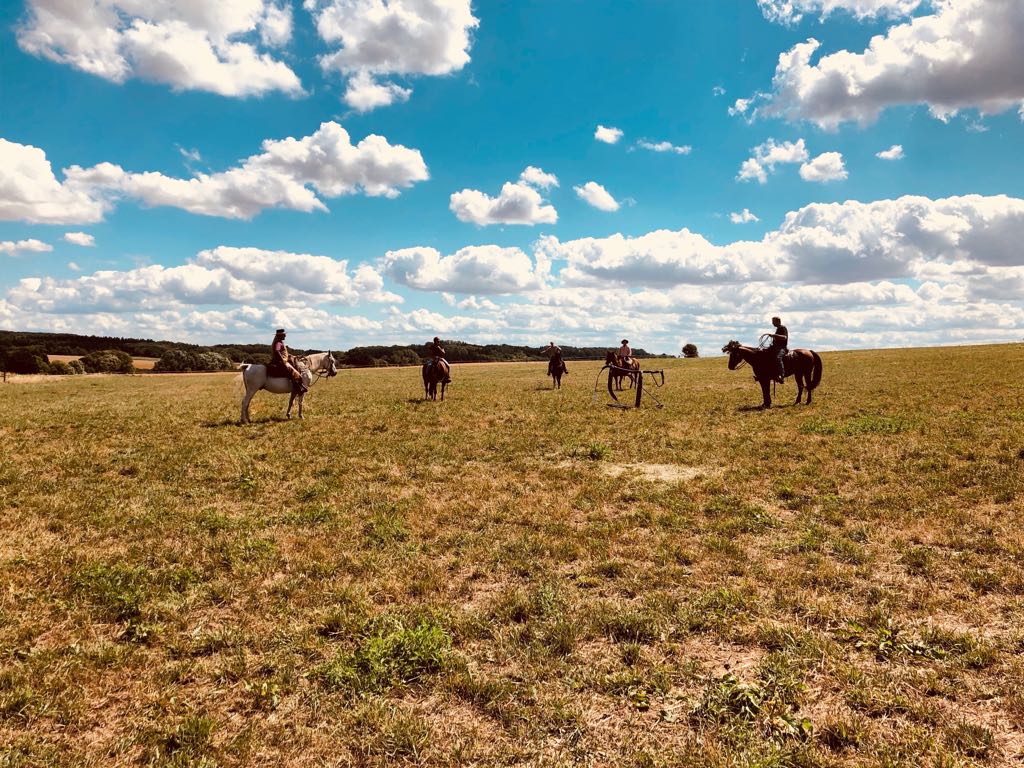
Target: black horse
803 364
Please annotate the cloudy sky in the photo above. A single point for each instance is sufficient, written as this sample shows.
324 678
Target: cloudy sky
381 171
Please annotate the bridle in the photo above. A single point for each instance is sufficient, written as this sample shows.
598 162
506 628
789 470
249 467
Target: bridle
322 372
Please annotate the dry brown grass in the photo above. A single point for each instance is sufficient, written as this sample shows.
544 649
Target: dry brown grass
517 575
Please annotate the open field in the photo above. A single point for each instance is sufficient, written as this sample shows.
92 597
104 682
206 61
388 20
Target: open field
517 575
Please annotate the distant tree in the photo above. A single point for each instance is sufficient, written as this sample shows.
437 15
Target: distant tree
27 360
108 361
690 350
181 360
60 368
76 367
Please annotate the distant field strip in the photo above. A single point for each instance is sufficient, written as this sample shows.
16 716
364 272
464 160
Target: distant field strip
518 576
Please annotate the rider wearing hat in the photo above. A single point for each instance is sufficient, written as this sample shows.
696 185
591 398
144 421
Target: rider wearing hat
283 362
625 352
554 353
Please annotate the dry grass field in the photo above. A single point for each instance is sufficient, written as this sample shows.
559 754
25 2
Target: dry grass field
518 576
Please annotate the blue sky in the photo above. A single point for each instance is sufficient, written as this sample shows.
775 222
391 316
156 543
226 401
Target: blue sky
915 250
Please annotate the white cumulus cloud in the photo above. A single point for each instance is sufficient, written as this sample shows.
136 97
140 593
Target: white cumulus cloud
392 37
486 269
189 45
607 135
30 192
31 245
538 177
895 152
967 54
364 93
593 194
766 156
828 166
83 239
218 276
288 173
743 217
665 146
519 202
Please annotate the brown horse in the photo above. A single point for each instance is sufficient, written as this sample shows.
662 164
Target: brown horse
803 364
621 370
557 369
434 374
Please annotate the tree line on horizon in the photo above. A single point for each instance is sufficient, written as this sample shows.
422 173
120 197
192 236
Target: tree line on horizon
28 352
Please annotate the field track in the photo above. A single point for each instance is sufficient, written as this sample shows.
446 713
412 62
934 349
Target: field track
518 576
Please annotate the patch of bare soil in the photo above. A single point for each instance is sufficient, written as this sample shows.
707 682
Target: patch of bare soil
658 473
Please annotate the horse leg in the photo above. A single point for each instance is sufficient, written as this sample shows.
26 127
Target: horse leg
799 378
244 417
766 393
291 399
301 398
444 386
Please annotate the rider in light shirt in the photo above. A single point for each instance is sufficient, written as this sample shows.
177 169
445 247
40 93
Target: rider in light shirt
281 360
625 352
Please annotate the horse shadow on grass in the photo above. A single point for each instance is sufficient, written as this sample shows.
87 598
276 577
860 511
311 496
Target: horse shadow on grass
234 422
756 408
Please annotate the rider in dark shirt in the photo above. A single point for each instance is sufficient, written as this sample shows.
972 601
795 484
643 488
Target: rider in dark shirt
437 356
436 350
779 346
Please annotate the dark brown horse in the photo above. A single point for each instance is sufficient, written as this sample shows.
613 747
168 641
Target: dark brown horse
621 370
557 369
803 364
434 374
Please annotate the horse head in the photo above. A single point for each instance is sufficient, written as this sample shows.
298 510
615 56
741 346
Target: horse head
332 365
733 348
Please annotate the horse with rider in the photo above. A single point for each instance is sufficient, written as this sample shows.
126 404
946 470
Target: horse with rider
773 361
622 365
286 374
436 370
556 365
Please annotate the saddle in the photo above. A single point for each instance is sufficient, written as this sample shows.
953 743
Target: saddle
276 370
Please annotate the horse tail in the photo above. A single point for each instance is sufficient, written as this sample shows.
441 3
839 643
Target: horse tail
240 388
815 371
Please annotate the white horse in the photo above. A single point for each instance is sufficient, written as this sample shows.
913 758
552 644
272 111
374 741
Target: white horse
312 367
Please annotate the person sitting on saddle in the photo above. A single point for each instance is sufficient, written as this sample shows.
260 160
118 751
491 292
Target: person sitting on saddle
625 352
437 352
283 364
779 347
554 353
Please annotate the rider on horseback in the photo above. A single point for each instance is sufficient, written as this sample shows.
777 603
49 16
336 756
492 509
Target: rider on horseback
283 364
626 353
554 353
437 354
779 347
